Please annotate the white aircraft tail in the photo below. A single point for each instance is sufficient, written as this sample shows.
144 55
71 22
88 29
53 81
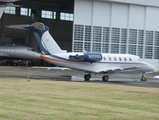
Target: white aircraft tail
45 41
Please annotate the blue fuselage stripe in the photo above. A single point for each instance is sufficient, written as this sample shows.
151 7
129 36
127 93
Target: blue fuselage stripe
110 62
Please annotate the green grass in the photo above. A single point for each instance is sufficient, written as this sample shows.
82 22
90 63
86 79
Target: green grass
56 100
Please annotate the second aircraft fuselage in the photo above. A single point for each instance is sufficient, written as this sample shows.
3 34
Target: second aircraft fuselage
21 52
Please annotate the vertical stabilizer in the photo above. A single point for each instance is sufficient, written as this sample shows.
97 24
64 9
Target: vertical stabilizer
45 41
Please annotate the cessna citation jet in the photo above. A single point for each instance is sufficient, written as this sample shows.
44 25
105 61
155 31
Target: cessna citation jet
18 51
90 62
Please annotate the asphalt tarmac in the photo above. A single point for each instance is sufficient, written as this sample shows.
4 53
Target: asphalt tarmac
77 76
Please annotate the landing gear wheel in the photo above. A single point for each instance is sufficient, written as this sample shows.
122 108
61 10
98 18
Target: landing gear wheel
143 78
87 77
105 78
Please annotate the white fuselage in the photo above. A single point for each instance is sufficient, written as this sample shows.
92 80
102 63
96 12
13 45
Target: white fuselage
109 62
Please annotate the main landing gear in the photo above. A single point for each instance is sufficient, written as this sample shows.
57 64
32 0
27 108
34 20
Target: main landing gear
105 78
88 76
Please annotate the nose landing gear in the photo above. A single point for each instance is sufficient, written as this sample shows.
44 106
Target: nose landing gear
143 78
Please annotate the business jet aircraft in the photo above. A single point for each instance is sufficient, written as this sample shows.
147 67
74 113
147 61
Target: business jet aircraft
90 62
18 51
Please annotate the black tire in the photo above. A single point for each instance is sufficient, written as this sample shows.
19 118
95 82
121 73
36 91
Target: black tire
105 78
87 77
143 78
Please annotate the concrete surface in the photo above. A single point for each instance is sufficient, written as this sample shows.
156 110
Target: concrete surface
77 76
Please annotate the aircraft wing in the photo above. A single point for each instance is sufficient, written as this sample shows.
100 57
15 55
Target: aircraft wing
116 69
21 27
51 68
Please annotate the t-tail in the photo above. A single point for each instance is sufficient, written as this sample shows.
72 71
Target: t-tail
45 41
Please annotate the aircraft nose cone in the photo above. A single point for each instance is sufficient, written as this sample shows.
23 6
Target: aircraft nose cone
152 68
36 56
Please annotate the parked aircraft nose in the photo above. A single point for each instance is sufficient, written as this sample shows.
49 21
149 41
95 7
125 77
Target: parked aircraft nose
151 68
36 56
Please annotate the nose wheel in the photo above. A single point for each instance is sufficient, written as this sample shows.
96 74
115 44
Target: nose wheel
105 78
87 77
143 78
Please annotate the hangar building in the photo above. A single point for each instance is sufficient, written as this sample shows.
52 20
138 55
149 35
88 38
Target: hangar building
107 26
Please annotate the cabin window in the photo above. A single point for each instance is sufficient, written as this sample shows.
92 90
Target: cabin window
32 50
125 59
110 58
115 58
120 58
130 59
140 60
104 58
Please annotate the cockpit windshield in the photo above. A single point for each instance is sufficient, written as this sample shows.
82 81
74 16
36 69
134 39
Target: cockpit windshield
140 59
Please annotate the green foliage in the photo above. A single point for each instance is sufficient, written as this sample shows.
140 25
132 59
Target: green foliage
49 100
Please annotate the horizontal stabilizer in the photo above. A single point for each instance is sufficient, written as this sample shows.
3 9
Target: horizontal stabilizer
41 32
45 41
21 27
38 26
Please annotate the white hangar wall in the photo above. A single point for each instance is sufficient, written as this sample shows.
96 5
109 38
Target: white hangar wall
117 26
116 14
154 3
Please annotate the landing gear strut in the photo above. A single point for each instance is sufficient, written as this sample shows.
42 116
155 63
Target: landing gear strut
87 77
105 78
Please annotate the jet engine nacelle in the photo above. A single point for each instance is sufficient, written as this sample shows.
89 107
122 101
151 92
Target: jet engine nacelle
87 57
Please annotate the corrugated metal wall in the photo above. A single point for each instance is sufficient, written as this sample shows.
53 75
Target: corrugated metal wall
130 28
